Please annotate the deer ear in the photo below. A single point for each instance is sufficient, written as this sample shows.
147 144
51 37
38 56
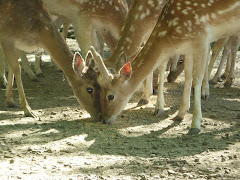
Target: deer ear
78 63
126 71
89 60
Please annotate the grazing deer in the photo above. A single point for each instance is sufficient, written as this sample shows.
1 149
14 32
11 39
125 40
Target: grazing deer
25 25
176 67
184 27
105 16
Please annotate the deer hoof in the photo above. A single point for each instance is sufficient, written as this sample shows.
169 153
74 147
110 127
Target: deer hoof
35 80
177 118
3 86
205 97
29 114
193 131
155 91
142 102
40 75
212 82
158 112
224 76
12 105
227 84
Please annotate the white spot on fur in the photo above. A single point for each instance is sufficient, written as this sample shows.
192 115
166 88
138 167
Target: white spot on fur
213 15
140 8
185 11
117 8
132 28
143 15
162 33
203 5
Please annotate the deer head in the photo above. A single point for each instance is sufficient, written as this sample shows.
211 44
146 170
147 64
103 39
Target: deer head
87 90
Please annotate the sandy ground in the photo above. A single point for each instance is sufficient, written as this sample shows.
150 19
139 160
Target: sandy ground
64 143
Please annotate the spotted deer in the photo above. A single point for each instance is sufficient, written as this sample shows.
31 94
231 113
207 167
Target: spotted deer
105 16
184 27
141 19
25 25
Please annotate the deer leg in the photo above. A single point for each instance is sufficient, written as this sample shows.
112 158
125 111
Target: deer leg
228 66
83 32
38 61
9 94
65 29
3 80
12 59
185 103
200 57
98 42
159 108
109 39
148 90
26 66
155 82
205 83
215 52
215 79
230 77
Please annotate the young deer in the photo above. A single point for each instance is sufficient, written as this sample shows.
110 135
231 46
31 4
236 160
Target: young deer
26 25
184 27
105 16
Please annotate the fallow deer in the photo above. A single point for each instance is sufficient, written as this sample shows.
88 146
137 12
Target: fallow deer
135 32
86 16
184 27
26 25
104 16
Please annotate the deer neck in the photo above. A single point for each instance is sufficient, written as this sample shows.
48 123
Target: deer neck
138 25
55 45
148 60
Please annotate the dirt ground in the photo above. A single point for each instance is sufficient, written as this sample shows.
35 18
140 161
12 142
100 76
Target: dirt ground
64 143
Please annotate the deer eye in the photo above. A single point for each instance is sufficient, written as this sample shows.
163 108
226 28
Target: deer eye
110 97
89 90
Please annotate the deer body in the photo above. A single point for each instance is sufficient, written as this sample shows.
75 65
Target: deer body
87 16
183 27
26 25
140 21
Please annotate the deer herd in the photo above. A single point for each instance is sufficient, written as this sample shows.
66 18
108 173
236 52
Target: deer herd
142 35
